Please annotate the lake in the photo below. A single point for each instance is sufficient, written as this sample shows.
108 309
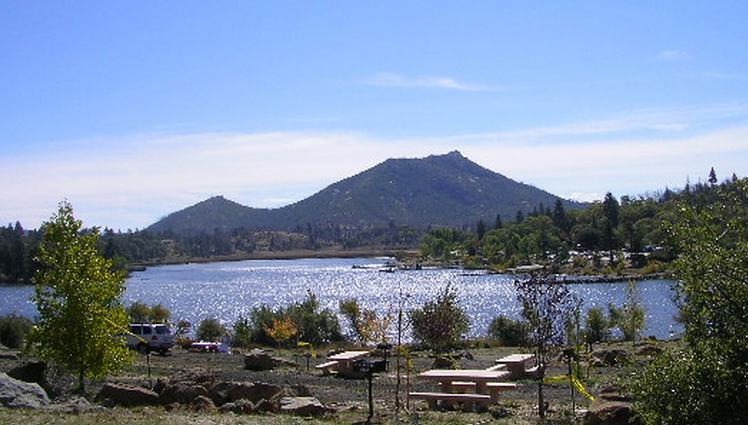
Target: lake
227 290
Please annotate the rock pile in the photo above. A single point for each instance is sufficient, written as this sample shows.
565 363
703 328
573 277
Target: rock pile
204 394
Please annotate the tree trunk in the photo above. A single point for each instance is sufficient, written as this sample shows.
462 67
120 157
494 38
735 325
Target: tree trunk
81 385
541 401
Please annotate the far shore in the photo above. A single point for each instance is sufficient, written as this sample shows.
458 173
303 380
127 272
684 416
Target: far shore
282 255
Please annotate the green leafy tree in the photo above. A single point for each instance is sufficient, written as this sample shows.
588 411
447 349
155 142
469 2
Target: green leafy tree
210 330
597 327
440 323
508 332
139 312
546 306
78 297
630 318
707 382
160 314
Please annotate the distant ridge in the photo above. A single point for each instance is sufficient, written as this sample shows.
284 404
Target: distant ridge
439 190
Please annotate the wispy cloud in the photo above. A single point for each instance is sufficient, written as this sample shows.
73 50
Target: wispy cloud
386 79
132 182
672 55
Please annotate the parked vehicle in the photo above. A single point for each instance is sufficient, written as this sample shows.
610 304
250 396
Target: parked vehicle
150 337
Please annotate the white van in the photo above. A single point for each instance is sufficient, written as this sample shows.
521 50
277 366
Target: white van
150 337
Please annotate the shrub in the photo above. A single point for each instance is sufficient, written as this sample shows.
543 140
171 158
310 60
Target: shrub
243 332
210 330
13 330
441 323
629 318
508 332
597 327
140 312
313 324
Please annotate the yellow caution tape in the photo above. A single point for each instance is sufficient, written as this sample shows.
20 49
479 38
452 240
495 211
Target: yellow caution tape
574 381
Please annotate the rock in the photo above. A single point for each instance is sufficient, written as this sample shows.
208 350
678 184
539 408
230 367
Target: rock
612 358
202 403
240 407
260 360
254 392
302 406
8 356
125 395
299 390
444 363
159 385
21 395
181 393
610 413
172 407
649 350
265 406
613 392
35 372
219 392
74 406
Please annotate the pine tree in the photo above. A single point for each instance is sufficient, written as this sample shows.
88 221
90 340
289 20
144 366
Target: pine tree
499 224
712 177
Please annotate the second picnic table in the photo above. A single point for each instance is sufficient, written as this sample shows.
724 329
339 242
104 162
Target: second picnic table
345 360
486 385
516 364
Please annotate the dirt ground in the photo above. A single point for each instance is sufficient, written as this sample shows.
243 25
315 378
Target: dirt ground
348 396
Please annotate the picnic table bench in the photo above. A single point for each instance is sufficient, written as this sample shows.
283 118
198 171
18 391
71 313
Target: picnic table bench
468 400
327 368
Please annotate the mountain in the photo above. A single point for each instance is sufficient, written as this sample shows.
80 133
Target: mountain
439 190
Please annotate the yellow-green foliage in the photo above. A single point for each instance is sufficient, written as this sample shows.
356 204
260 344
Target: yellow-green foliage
78 298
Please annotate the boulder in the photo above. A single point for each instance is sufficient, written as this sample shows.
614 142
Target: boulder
610 358
74 406
34 371
181 393
219 392
265 406
302 406
442 362
240 407
21 395
8 356
611 413
202 403
125 395
254 392
649 350
299 390
261 360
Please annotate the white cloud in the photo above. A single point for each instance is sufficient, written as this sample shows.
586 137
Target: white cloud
132 182
672 55
385 79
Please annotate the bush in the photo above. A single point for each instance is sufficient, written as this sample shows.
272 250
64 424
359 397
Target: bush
508 332
13 330
312 324
210 330
441 323
140 312
598 328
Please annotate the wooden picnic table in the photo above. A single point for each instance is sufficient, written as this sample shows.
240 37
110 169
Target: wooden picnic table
481 377
516 364
485 383
345 360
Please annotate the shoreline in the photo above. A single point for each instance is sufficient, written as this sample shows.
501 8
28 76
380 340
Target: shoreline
279 255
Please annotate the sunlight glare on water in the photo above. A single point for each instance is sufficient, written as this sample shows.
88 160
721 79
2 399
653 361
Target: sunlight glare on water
227 290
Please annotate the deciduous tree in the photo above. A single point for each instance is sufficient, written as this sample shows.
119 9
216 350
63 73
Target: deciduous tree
78 296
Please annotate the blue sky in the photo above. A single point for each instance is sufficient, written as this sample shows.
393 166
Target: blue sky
134 110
